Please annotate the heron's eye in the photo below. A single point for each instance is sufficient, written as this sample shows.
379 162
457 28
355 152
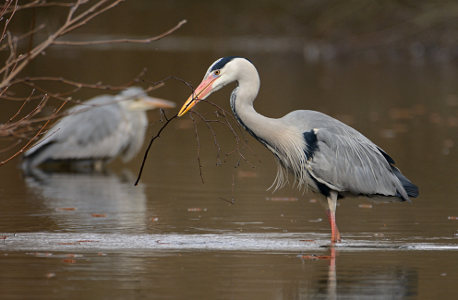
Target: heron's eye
217 72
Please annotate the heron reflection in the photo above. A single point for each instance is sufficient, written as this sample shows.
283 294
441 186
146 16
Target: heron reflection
377 282
98 201
96 132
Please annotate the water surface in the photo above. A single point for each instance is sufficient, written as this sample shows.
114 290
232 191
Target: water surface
98 236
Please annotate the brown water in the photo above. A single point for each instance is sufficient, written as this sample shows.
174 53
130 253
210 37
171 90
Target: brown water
97 236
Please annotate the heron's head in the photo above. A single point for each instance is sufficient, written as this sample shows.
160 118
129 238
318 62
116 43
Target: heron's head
222 72
136 99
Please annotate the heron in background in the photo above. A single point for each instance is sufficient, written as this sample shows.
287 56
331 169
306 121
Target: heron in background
95 132
321 152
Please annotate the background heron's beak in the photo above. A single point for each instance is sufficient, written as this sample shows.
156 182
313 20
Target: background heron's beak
201 92
151 103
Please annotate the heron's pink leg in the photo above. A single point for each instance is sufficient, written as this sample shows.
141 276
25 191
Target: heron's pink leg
331 212
335 234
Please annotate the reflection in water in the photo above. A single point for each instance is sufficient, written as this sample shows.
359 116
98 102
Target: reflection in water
93 200
391 282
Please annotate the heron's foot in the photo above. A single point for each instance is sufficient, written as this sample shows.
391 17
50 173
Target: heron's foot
335 235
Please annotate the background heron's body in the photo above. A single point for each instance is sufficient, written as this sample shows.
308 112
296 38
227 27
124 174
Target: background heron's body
94 133
321 152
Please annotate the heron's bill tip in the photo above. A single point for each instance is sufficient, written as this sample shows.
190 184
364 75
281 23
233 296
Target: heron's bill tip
188 105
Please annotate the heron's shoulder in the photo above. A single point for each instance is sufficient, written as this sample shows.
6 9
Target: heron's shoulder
309 119
306 114
324 125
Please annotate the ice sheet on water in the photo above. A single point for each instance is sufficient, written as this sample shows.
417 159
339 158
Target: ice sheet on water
288 242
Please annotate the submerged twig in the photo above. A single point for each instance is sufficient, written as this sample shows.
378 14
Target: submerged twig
232 201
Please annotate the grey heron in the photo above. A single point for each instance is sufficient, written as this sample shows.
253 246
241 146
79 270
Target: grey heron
321 152
97 131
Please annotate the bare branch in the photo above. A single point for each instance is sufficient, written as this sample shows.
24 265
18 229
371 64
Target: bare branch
168 120
31 140
8 20
118 41
34 4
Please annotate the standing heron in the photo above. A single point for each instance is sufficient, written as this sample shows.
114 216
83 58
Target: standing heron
321 152
97 131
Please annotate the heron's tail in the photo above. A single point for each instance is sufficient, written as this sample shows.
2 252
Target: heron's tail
410 188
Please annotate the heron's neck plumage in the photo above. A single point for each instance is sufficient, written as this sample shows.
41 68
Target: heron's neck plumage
242 98
283 140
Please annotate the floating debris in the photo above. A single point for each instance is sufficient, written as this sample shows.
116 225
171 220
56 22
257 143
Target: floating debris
282 199
69 261
316 257
452 217
154 219
65 208
40 254
365 206
316 220
246 174
196 209
98 215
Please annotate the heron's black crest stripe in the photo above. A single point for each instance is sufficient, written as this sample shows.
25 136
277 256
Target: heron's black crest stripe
222 62
387 157
310 143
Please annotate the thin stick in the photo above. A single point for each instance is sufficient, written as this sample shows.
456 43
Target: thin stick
151 143
215 141
198 148
20 108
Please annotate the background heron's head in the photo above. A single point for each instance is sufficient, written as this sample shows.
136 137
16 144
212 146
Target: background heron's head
136 99
222 72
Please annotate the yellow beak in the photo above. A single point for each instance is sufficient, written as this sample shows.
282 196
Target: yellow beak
201 92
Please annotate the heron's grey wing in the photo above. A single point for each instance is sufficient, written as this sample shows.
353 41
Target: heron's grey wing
91 131
344 160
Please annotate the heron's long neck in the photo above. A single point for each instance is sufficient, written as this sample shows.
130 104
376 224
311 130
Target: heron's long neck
261 127
286 142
